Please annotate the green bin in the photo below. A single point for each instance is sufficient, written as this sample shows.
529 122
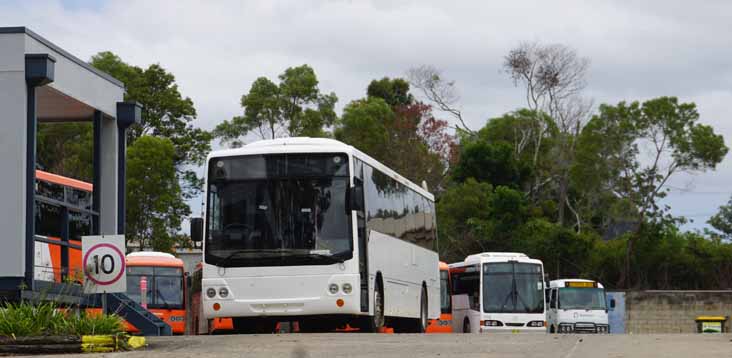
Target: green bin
711 324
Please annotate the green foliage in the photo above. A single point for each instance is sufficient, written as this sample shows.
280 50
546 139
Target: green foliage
155 206
364 126
460 211
489 162
26 319
294 107
46 319
166 114
83 324
388 121
394 91
506 184
66 149
613 144
722 220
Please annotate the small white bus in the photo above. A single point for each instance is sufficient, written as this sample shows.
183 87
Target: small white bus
498 292
577 306
314 231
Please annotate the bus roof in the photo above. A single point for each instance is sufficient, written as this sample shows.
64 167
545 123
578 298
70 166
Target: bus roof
495 257
153 258
562 282
62 180
314 145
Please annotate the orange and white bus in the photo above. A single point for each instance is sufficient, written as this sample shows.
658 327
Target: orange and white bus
163 275
444 323
60 202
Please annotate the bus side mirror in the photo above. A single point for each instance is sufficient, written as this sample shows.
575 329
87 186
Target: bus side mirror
356 196
196 229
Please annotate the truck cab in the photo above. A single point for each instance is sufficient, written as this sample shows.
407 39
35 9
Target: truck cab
577 306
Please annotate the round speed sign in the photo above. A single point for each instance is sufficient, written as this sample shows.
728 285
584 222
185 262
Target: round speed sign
104 264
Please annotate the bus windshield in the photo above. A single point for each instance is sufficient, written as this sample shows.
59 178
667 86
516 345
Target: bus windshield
278 210
512 287
580 298
164 286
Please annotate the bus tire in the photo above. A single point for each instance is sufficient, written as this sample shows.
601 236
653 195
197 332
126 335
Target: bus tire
466 326
423 320
373 324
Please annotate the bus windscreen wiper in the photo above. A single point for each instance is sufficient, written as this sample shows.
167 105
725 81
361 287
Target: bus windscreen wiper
230 256
329 258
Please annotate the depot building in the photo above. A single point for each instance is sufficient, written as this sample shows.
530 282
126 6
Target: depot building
40 83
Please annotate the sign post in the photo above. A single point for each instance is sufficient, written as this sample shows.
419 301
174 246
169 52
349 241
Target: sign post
104 265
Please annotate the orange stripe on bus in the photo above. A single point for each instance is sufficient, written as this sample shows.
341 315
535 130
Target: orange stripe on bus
61 180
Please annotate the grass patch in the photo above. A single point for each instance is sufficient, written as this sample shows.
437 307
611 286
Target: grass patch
45 319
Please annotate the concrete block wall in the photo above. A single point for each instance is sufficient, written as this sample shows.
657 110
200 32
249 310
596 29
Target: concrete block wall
673 311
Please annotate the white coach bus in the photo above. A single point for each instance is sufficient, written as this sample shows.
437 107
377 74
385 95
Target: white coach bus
317 232
498 292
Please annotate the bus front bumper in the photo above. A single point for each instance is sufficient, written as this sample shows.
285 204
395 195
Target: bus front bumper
514 330
281 296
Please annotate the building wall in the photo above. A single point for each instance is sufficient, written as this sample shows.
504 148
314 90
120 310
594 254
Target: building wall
673 311
12 154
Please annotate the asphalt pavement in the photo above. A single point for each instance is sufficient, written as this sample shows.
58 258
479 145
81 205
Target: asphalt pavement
433 345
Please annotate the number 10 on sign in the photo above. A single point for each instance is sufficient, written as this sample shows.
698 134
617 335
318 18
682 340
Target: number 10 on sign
104 263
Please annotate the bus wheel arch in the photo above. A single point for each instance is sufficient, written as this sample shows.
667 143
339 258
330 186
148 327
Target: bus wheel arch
466 325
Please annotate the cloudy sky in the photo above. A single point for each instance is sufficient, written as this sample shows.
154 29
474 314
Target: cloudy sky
217 48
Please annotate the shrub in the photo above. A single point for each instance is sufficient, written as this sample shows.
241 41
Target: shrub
46 319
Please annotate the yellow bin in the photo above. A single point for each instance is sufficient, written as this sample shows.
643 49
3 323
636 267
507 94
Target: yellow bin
711 324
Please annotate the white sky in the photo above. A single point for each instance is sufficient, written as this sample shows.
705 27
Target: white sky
217 48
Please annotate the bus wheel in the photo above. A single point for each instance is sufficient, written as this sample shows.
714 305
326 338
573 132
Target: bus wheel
373 324
423 313
466 326
378 319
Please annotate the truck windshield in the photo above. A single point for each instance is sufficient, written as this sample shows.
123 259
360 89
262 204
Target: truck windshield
278 210
512 287
576 298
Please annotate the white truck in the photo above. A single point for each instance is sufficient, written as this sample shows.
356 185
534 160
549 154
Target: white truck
576 306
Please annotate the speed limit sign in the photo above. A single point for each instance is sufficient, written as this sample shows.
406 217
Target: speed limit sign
104 263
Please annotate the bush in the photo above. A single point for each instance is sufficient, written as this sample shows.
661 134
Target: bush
46 319
92 324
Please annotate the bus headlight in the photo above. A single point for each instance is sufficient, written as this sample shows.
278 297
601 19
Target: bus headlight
223 292
211 292
333 288
536 324
347 288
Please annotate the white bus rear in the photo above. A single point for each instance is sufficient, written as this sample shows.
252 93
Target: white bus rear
314 231
498 292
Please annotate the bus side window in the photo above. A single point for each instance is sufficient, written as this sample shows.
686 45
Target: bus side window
553 299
